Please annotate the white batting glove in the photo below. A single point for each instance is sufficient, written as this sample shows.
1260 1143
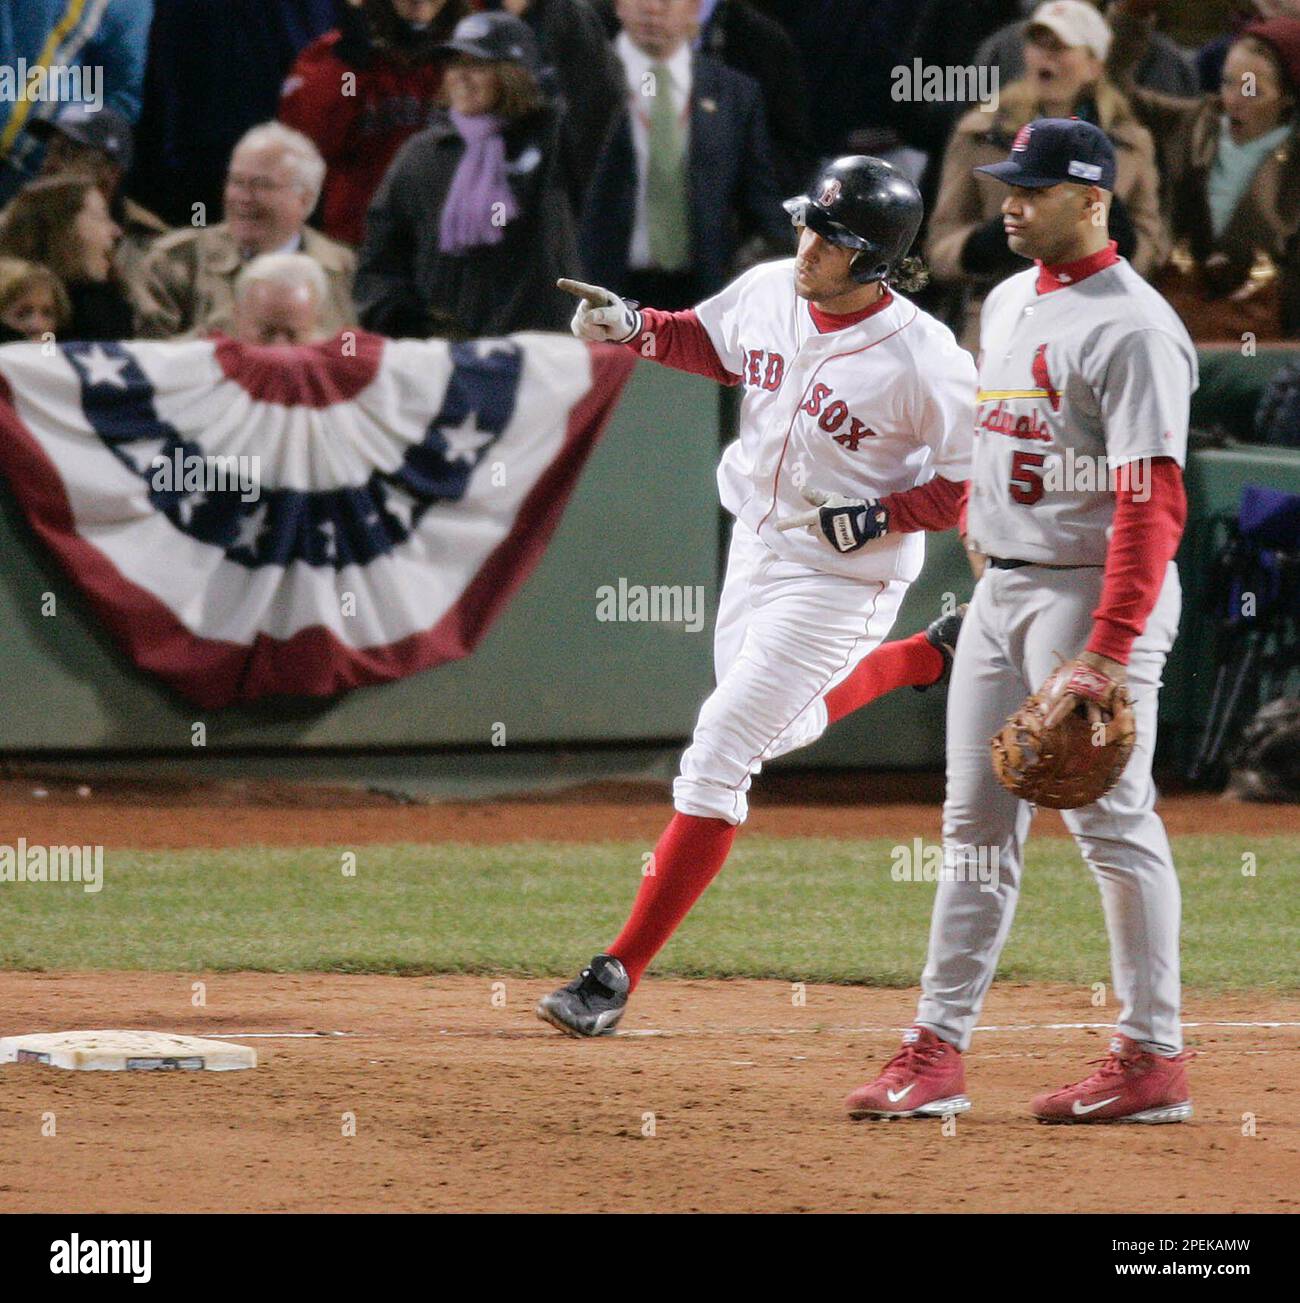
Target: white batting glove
602 317
847 523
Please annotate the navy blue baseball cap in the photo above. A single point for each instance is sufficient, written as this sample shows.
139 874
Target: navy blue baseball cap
103 129
1048 151
495 37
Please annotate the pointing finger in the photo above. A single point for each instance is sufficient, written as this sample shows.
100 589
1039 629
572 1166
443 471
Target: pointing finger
594 294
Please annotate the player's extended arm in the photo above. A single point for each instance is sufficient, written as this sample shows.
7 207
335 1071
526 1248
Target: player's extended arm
936 505
677 339
1150 512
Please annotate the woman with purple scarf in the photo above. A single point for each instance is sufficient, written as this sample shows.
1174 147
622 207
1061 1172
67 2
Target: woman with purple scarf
472 223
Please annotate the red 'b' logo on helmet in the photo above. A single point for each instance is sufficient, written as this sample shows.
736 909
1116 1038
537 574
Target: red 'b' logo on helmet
830 191
1021 141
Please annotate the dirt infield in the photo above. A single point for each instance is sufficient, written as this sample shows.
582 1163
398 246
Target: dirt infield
176 814
461 1105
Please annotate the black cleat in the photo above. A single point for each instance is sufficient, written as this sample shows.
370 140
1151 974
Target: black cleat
942 634
592 1003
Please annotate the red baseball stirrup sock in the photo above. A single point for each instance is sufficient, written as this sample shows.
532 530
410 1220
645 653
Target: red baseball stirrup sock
913 661
689 854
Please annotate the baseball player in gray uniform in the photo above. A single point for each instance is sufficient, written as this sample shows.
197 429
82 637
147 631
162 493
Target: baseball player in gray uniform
1076 506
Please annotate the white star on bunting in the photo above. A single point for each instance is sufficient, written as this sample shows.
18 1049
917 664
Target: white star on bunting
401 506
104 370
186 507
465 439
249 529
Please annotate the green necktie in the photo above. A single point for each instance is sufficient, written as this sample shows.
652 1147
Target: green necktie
667 192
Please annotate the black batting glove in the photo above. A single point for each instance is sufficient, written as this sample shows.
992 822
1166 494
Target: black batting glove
847 523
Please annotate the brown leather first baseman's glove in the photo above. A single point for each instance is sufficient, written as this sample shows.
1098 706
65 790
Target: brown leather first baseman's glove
1068 744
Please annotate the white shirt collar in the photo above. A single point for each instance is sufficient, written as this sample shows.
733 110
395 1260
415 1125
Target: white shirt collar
637 63
292 245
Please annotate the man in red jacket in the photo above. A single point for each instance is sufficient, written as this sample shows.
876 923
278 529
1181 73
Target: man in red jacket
1076 505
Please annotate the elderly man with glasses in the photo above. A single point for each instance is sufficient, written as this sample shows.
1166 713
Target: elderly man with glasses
186 285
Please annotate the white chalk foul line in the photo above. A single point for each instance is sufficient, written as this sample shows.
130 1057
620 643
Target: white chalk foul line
873 1031
274 1036
633 1033
519 1033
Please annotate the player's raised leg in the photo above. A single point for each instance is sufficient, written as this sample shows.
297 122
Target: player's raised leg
919 662
803 629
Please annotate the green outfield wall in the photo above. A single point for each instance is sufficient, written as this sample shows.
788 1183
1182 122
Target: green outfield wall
551 671
645 512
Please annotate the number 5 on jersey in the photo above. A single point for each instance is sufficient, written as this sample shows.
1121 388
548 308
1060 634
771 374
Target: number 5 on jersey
1026 482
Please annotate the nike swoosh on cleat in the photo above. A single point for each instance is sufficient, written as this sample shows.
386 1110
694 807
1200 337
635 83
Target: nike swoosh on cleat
1079 1108
902 1094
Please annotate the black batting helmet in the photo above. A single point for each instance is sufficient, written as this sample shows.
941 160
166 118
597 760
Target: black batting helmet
862 203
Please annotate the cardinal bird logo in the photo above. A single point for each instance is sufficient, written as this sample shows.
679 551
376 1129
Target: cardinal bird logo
1038 369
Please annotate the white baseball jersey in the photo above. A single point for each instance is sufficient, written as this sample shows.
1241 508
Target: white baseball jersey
873 408
1074 384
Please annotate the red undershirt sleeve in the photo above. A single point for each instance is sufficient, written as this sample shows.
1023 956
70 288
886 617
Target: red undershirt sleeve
935 505
679 340
1144 538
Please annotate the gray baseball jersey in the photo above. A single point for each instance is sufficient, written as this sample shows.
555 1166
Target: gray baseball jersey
1075 387
1101 368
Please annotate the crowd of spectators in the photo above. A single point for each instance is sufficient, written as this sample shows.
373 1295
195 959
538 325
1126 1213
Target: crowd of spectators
281 169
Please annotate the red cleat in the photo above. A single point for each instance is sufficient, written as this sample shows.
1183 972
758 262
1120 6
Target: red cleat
1130 1086
926 1078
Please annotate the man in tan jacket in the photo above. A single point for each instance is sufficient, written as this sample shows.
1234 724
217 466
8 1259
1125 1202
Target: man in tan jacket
1066 43
186 284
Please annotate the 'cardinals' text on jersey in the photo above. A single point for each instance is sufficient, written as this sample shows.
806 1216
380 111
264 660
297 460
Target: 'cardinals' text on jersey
1076 385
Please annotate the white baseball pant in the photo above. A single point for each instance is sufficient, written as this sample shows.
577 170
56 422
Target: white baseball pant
785 635
1021 623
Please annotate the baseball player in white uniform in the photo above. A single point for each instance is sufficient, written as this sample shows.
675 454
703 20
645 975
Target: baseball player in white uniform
855 401
1076 505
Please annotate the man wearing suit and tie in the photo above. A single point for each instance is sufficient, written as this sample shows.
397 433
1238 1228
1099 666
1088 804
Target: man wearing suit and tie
687 168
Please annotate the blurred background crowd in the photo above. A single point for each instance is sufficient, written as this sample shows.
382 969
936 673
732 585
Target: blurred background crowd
280 169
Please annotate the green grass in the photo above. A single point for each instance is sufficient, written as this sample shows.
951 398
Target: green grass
800 909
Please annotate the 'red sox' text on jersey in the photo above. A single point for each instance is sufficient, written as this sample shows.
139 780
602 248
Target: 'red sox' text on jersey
863 409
